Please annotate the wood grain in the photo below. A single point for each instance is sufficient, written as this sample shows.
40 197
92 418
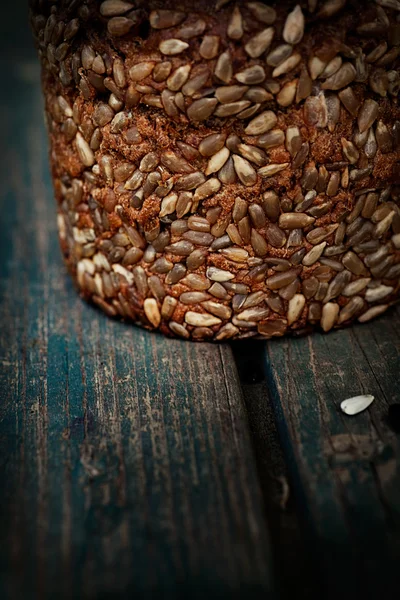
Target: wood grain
344 471
126 464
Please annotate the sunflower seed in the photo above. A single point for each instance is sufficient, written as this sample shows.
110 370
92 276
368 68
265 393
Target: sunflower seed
176 274
172 47
350 101
161 71
270 204
330 313
383 138
295 220
178 78
293 29
223 69
256 313
287 65
201 319
199 238
211 186
304 87
151 311
196 282
295 308
367 115
378 293
270 170
355 287
332 67
189 182
217 161
275 236
218 291
316 111
263 13
253 154
217 309
258 243
235 25
262 123
260 42
314 254
201 109
342 78
112 8
232 108
212 144
227 174
350 151
251 75
84 151
244 170
119 26
230 93
279 54
330 8
352 308
355 405
181 248
337 285
219 275
316 67
370 146
193 297
280 280
209 47
192 30
273 138
179 329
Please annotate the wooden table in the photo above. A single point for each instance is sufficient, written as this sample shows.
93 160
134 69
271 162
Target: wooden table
135 466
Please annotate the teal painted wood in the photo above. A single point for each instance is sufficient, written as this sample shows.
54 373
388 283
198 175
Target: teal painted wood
344 471
126 464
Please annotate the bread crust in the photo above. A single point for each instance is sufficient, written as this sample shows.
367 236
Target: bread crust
226 170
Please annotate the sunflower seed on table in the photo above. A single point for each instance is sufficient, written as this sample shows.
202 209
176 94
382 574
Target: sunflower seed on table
356 404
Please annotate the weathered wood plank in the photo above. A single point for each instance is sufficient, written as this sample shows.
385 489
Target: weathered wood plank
344 471
126 465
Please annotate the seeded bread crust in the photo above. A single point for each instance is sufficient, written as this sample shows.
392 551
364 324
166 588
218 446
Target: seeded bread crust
226 170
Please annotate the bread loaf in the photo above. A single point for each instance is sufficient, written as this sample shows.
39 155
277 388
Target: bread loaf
226 169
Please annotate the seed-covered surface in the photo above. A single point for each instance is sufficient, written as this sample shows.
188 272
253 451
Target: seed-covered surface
226 170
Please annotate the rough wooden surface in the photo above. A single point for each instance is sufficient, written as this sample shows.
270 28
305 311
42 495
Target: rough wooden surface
344 471
126 465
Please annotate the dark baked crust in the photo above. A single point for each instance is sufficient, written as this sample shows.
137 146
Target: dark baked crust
287 218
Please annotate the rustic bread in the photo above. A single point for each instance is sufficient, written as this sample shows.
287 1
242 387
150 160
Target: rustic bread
226 170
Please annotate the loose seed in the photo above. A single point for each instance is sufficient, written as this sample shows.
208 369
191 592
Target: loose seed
355 405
